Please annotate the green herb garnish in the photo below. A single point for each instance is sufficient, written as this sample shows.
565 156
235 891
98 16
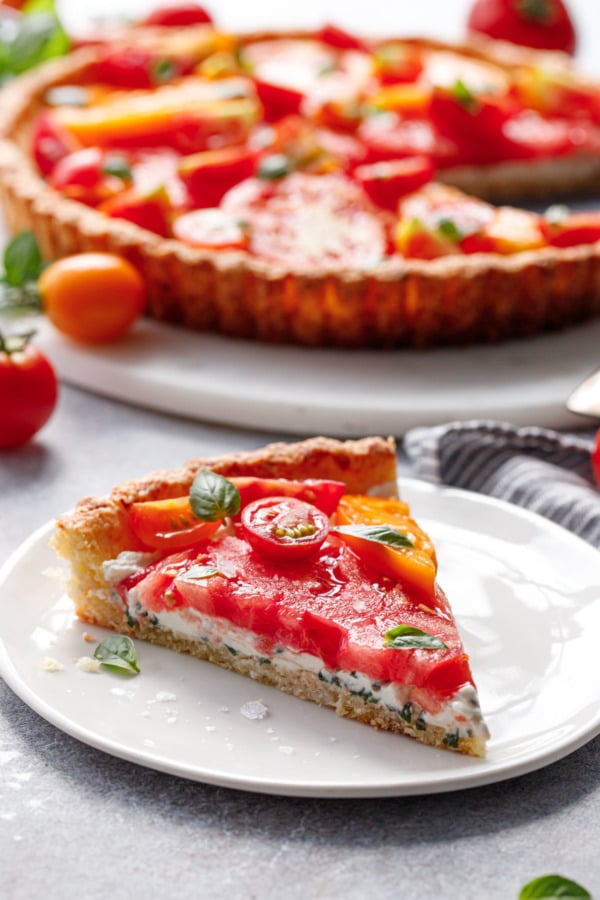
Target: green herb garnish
35 37
550 887
213 497
407 637
380 534
22 260
117 166
464 96
274 167
163 70
117 653
450 230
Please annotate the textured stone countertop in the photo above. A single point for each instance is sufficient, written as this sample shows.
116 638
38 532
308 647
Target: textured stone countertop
78 823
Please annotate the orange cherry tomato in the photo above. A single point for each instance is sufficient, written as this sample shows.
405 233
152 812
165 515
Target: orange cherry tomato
169 524
92 297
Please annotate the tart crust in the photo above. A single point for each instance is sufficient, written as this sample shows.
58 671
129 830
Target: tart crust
397 303
97 530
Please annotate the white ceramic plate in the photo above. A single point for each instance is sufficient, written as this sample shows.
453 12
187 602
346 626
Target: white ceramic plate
348 393
526 596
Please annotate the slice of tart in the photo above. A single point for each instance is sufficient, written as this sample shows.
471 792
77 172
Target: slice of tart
296 565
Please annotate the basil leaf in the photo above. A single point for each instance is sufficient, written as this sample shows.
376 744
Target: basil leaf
22 260
274 167
118 653
464 96
553 886
198 573
450 230
117 166
213 497
407 637
40 36
381 534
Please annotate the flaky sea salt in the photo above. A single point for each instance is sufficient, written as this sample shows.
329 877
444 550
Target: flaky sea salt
49 664
165 697
88 664
254 709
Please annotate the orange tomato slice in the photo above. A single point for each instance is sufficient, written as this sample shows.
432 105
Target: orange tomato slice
168 524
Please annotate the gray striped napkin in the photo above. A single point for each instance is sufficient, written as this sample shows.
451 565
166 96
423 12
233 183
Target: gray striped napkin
545 471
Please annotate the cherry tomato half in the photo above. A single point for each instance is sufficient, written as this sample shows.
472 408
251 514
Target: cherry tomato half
386 182
544 24
92 297
284 529
29 390
168 524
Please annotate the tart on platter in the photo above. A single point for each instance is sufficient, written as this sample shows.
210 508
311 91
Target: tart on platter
306 188
296 565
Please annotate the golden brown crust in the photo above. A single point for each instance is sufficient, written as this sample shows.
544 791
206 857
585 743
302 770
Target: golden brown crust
414 303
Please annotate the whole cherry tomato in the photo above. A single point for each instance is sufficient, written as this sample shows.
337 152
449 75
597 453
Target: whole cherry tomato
28 387
596 459
543 24
284 529
92 297
178 16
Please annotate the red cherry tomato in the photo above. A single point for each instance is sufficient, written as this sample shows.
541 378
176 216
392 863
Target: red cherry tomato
146 211
277 100
386 182
596 459
29 390
92 297
575 229
177 16
50 143
284 529
168 524
544 24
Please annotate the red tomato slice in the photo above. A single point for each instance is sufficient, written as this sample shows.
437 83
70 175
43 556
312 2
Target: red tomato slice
168 523
149 212
398 63
323 494
340 39
210 174
284 529
386 182
277 100
596 459
212 229
178 16
51 143
574 229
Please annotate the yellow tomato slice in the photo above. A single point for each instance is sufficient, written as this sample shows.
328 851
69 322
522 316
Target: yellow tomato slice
414 566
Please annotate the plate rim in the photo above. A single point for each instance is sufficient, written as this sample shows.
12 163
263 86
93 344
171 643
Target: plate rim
438 782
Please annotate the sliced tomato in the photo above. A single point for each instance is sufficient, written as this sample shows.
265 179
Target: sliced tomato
213 229
340 39
51 143
323 494
398 63
411 567
284 529
210 174
356 509
147 211
475 122
415 240
163 524
573 229
390 136
133 68
178 16
278 100
386 182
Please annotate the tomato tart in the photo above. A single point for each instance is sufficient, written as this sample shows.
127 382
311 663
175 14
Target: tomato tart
296 565
286 187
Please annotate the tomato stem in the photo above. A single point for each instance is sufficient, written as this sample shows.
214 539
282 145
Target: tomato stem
540 11
14 343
